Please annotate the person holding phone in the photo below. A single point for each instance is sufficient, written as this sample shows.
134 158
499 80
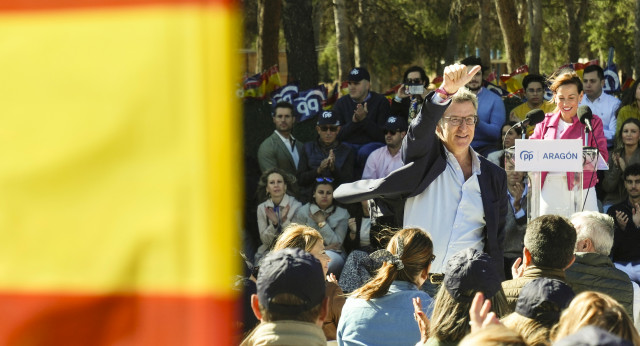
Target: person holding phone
409 98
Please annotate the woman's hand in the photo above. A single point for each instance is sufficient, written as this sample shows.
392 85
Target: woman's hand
283 213
334 246
319 216
271 215
480 314
352 228
423 322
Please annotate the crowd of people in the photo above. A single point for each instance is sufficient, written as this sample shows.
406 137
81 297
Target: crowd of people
405 223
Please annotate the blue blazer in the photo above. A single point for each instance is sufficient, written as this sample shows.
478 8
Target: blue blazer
425 159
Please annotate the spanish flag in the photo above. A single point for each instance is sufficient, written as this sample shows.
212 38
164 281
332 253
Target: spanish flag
120 182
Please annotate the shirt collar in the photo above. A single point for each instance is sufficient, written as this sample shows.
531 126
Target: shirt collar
313 208
284 139
475 161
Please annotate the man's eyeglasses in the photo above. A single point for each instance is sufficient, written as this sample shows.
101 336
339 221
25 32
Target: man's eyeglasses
328 128
457 121
414 81
391 132
324 180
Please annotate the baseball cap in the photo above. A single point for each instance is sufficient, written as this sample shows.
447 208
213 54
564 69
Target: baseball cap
395 123
293 271
544 299
470 271
358 74
592 336
328 118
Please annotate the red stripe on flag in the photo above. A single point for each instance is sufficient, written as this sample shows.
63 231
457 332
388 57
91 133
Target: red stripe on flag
70 320
45 5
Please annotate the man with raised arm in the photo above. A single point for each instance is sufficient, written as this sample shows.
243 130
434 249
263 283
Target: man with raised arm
445 187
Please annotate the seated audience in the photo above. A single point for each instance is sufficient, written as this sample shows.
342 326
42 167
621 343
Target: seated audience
326 156
599 310
276 211
380 312
329 219
626 252
538 309
534 88
291 302
409 98
549 241
468 272
626 153
308 239
593 269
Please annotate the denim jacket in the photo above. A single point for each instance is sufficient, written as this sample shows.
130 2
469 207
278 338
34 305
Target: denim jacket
386 320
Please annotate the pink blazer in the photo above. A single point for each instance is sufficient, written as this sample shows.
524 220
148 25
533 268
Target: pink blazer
547 130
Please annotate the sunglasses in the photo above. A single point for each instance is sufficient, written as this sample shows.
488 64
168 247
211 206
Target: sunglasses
414 81
324 180
391 132
328 128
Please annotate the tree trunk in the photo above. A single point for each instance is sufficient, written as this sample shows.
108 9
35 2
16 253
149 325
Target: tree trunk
574 22
302 60
511 32
268 33
342 39
452 37
535 32
636 67
485 32
360 38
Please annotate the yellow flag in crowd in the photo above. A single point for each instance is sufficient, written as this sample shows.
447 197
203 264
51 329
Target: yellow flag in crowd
120 188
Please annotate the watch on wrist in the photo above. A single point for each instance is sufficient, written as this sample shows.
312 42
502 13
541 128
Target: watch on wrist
444 92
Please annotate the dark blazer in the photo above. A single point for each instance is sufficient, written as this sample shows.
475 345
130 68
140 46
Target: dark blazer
425 158
273 153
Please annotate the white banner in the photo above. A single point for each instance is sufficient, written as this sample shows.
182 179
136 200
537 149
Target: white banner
558 155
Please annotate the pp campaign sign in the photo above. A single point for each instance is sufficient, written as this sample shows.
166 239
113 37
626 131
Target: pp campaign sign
558 155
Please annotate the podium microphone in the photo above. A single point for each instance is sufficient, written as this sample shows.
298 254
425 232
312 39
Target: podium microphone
533 117
585 115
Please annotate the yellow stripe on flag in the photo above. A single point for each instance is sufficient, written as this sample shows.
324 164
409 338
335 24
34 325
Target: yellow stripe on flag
120 150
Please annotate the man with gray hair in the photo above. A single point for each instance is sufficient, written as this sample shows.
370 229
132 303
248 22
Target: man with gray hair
445 187
593 269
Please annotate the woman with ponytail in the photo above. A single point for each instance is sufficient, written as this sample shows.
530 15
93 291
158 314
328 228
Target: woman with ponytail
385 302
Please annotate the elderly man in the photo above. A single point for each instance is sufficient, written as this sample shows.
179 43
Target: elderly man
593 270
444 181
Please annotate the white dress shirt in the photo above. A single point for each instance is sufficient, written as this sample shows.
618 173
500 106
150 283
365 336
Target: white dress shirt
451 210
605 107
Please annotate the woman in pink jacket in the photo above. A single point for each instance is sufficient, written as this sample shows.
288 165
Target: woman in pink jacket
563 123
